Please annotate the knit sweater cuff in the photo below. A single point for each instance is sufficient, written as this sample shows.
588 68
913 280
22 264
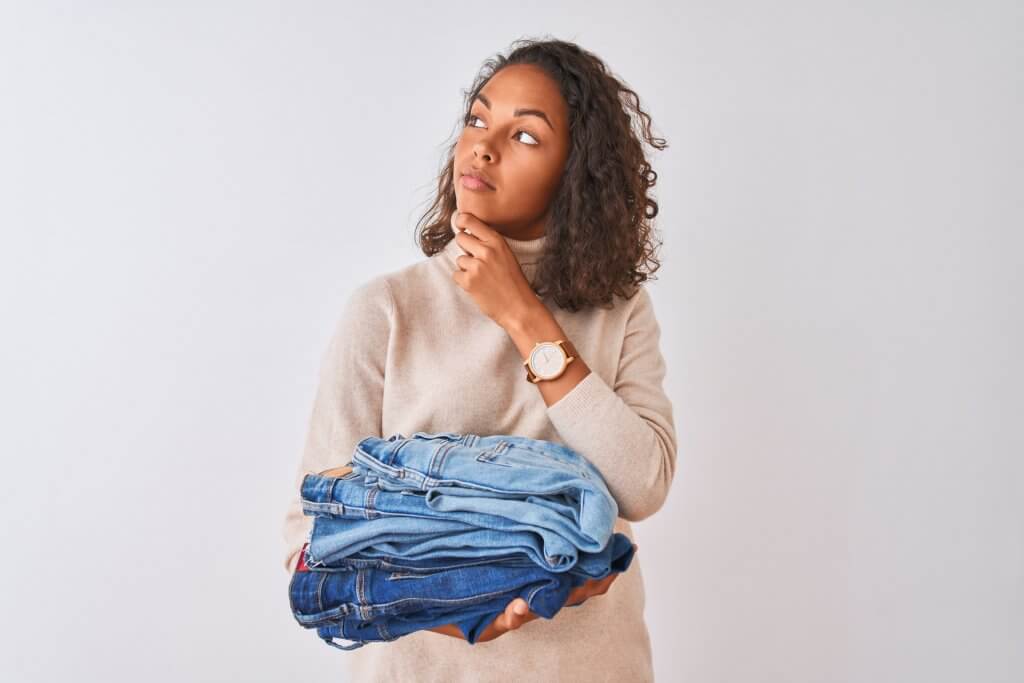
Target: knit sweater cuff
580 401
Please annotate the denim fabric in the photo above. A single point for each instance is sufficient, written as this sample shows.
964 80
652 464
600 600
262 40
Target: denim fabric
515 474
466 495
449 528
589 565
352 517
379 601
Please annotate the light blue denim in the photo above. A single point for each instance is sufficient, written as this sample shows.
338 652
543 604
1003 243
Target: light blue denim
451 495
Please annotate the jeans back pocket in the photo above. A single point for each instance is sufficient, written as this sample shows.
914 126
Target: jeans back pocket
492 455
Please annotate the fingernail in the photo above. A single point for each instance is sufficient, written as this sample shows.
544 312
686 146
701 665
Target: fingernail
521 609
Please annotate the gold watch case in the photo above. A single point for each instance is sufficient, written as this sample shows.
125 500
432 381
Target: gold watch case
564 347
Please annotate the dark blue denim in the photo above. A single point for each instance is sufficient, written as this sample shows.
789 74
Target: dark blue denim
378 601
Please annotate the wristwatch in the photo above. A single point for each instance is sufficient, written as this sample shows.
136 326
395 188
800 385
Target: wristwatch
548 360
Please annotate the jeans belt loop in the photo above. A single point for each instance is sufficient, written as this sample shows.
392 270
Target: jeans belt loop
330 495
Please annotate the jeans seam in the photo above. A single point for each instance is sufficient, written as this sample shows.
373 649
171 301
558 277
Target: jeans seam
320 593
361 593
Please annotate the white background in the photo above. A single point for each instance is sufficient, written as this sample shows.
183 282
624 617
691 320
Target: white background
188 193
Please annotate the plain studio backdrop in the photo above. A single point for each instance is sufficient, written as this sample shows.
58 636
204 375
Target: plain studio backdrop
189 191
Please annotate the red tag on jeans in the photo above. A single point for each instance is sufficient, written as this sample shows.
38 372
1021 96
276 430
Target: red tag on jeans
301 566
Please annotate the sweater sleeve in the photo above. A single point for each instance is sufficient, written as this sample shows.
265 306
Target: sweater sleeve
627 432
348 402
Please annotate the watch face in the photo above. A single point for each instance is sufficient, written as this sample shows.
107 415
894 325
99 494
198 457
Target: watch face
546 360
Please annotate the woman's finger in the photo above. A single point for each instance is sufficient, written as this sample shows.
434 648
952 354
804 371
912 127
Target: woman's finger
517 611
508 620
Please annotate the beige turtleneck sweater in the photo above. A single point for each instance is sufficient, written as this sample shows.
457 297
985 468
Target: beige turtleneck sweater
412 352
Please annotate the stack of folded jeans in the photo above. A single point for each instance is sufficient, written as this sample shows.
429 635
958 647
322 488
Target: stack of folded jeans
449 528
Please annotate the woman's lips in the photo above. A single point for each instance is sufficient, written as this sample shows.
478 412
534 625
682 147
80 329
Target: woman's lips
471 183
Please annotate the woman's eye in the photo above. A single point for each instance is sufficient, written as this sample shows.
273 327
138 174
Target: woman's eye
523 132
474 117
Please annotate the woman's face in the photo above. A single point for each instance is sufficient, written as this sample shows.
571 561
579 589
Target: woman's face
517 137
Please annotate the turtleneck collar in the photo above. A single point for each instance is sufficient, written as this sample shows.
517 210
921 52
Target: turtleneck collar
527 253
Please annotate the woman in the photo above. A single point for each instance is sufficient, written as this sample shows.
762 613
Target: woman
540 232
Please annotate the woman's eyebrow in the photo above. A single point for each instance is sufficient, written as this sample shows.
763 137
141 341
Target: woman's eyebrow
519 112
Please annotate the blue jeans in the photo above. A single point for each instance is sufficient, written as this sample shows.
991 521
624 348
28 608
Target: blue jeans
595 565
447 495
448 529
378 600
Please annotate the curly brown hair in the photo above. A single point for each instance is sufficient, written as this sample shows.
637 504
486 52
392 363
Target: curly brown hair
600 239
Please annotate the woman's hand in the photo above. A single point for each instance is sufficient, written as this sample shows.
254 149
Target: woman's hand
490 273
591 588
518 612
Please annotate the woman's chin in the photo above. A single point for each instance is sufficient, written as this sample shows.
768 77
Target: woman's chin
469 198
480 209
